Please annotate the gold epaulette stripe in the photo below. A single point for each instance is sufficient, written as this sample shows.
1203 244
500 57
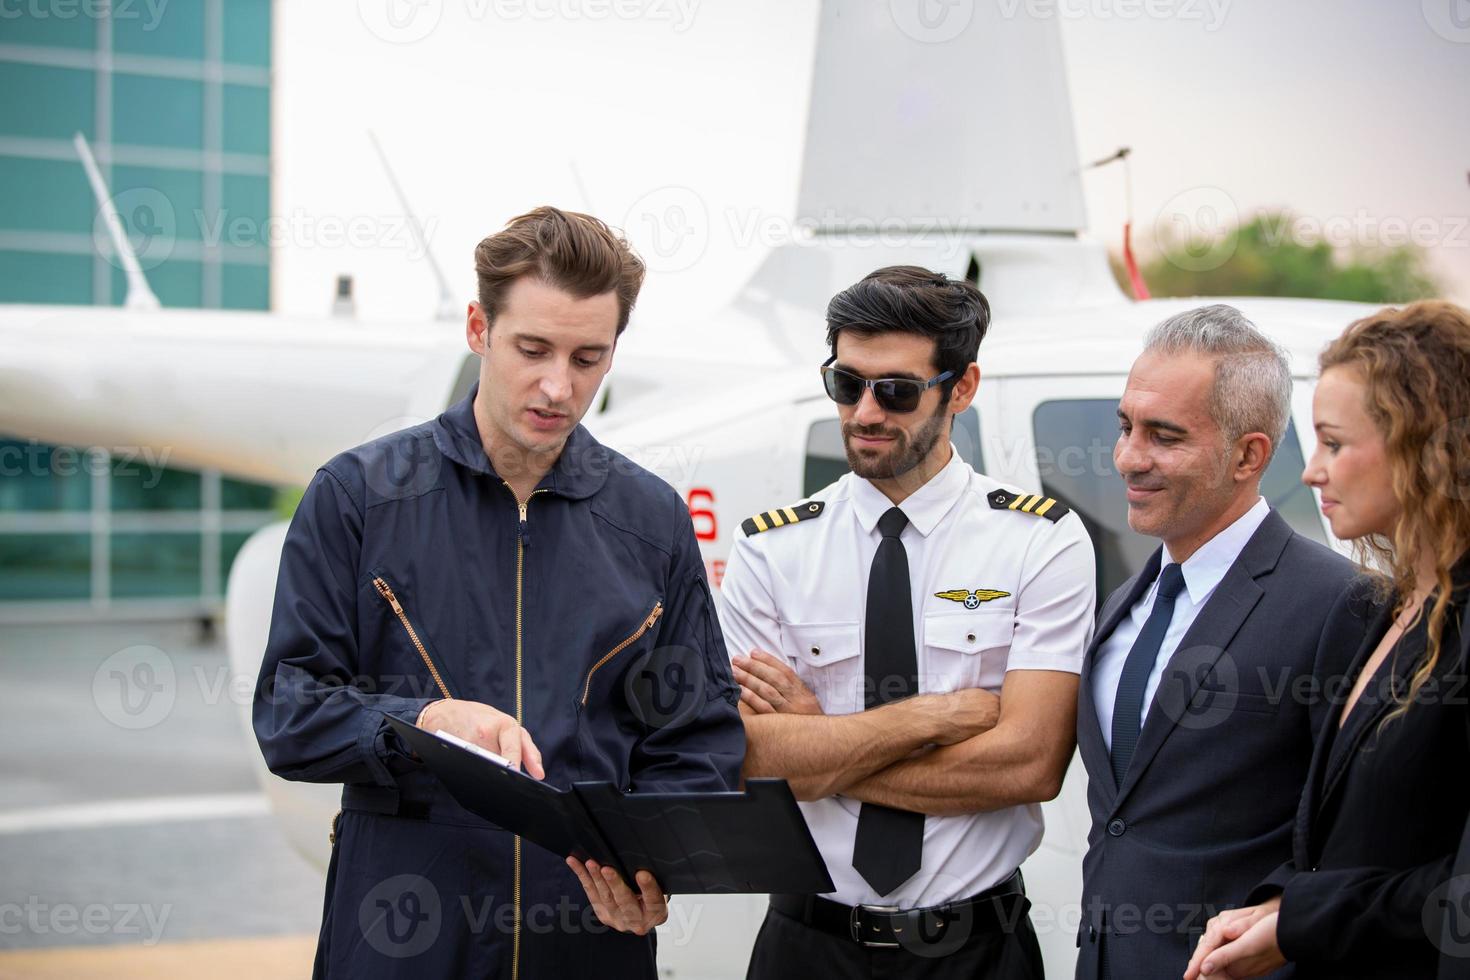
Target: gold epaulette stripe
781 517
1029 503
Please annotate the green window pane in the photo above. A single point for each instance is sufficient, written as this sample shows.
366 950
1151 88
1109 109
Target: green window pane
156 564
174 29
55 26
247 208
176 283
247 119
140 483
230 543
149 111
36 277
1284 490
248 32
1074 455
45 102
44 195
45 566
245 287
247 196
35 476
160 205
240 495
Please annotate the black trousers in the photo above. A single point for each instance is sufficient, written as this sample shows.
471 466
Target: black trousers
786 948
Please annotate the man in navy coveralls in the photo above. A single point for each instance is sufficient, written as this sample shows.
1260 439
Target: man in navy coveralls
498 574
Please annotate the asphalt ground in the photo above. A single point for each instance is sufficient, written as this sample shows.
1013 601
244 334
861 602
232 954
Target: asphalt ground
134 840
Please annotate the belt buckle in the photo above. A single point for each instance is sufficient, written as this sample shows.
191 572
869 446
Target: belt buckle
854 926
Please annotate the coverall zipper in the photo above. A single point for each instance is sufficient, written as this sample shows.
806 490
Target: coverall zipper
386 591
521 539
648 621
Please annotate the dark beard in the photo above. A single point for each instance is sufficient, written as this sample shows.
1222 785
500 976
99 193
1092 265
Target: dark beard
904 455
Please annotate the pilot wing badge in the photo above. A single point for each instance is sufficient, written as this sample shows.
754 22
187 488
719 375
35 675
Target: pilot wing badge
782 516
971 597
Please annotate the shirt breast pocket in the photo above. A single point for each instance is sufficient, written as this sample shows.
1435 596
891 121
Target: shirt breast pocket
826 658
967 649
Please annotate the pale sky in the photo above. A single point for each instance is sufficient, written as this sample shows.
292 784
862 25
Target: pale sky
1348 111
1351 112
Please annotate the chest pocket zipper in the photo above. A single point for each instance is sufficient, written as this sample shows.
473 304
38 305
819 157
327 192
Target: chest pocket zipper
649 620
386 591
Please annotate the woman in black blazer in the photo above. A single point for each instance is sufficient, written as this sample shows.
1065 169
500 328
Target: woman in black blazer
1386 797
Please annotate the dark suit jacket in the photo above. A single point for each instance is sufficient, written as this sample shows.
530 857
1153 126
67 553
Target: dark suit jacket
1206 808
1381 817
1454 942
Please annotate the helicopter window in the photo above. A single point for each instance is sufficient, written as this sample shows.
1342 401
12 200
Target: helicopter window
469 373
826 461
1074 454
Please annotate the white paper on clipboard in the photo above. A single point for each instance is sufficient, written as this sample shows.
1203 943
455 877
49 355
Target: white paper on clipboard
479 750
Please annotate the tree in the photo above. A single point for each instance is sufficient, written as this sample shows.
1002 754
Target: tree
1271 255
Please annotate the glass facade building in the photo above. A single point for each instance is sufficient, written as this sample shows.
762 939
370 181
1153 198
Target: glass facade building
174 98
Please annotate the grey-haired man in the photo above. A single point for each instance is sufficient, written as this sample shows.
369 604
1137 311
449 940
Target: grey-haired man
1201 672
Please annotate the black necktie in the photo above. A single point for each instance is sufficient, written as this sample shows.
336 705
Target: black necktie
1128 706
890 843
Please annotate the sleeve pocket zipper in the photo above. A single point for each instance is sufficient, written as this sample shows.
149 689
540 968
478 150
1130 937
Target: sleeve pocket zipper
649 620
386 592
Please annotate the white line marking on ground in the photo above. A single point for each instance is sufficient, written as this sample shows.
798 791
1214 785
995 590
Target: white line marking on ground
151 809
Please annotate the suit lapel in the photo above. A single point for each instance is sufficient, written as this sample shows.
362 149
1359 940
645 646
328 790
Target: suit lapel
1325 739
1135 587
1189 667
1306 808
1365 717
1090 736
1201 648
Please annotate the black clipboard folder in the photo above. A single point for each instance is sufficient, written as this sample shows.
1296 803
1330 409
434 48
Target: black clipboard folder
754 841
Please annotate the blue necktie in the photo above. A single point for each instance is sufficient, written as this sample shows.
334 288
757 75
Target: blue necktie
1128 705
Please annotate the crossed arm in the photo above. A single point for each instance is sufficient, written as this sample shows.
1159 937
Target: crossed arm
788 736
962 752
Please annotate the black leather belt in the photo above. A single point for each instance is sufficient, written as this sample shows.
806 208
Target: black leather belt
886 927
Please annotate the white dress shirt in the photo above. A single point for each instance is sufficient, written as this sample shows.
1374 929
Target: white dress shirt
1202 571
799 592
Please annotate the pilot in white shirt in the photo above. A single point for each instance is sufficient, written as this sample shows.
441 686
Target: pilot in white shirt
889 609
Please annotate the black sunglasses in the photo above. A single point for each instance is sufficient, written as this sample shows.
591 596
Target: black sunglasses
892 394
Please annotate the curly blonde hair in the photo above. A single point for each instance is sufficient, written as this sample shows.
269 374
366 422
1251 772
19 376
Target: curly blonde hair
1415 364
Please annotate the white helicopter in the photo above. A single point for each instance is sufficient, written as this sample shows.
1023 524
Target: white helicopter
975 175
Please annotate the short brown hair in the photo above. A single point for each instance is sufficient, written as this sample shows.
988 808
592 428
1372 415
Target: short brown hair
573 252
